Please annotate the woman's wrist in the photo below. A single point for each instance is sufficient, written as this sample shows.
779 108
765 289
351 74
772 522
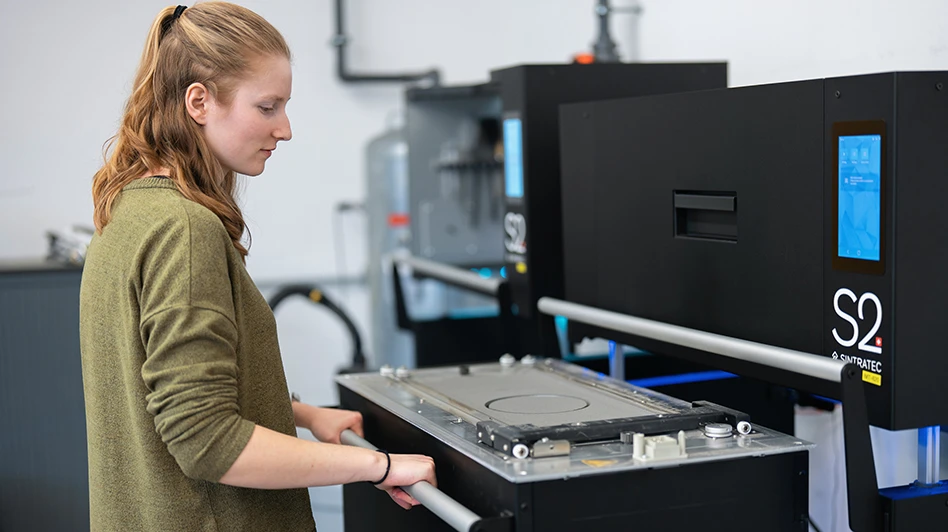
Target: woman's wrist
380 466
388 468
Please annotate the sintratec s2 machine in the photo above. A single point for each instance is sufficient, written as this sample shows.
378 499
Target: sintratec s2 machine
801 216
540 444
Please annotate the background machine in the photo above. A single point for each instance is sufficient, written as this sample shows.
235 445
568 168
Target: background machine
483 164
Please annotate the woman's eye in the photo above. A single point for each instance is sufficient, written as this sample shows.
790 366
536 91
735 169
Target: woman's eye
265 109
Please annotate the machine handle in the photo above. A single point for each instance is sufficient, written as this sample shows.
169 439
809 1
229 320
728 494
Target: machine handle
766 355
706 202
451 274
449 510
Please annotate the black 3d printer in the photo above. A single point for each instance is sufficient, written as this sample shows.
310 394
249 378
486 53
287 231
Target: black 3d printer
541 445
796 215
838 181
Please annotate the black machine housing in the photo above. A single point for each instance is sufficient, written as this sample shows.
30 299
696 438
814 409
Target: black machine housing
531 95
718 211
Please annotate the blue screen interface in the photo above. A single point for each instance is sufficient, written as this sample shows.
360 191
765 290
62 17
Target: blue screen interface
513 157
860 200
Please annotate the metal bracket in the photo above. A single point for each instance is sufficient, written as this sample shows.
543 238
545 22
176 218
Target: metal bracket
546 448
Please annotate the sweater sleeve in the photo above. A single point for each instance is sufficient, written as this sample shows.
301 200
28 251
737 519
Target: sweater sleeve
190 339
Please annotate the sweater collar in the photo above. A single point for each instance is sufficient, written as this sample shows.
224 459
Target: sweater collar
150 182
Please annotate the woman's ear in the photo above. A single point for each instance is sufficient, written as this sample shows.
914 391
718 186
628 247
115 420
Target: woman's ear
197 100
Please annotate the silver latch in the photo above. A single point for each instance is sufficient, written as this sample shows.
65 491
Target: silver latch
547 447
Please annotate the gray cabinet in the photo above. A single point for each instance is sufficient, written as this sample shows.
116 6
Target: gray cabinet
43 463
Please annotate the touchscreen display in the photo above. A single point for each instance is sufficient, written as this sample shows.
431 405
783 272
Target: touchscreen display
860 200
513 157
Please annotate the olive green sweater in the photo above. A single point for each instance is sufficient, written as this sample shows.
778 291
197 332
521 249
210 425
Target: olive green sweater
179 360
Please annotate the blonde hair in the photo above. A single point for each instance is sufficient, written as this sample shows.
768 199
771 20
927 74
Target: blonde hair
213 43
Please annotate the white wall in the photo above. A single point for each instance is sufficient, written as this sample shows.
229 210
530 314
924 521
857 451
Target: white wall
66 70
780 40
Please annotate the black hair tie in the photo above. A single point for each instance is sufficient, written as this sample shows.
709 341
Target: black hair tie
166 24
388 467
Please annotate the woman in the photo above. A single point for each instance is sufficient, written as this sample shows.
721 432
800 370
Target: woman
189 421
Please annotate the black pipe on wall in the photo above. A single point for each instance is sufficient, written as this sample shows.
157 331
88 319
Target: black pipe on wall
340 40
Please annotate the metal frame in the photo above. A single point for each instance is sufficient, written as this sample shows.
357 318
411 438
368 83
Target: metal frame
506 438
457 424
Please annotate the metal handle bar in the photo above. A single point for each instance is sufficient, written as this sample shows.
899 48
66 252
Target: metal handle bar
449 510
451 274
776 357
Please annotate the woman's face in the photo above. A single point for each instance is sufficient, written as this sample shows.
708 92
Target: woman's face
243 134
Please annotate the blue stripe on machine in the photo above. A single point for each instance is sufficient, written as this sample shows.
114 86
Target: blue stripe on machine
684 378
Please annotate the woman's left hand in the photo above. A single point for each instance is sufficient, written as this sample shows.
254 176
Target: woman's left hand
327 424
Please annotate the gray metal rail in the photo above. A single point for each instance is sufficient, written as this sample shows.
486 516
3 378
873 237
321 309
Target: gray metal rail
776 357
451 274
449 510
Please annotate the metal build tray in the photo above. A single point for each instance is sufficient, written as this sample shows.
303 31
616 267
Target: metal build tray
563 420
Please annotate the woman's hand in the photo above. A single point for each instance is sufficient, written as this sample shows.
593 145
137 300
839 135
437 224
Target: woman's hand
330 422
406 470
327 424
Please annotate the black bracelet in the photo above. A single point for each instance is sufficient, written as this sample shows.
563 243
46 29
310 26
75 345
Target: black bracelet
388 467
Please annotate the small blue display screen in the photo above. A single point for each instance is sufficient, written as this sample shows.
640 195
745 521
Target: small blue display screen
513 157
860 196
